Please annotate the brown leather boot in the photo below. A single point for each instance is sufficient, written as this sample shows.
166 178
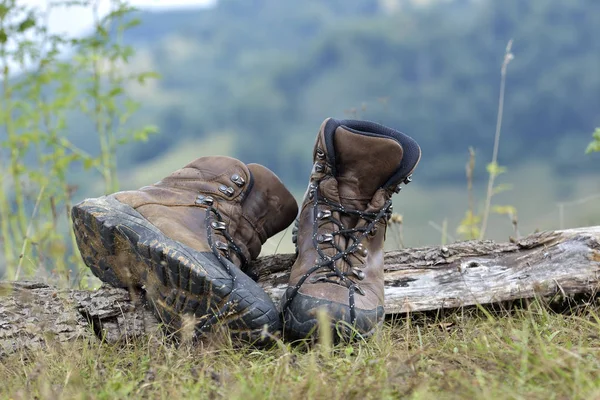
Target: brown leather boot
358 166
187 241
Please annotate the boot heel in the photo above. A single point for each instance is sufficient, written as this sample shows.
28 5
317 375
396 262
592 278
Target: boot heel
95 232
125 250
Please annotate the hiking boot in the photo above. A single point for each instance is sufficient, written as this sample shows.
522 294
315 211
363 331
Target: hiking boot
358 166
188 240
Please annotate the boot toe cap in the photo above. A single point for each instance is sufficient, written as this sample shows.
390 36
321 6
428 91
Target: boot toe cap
300 318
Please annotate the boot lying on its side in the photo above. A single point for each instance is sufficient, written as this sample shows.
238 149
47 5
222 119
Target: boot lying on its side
358 166
187 241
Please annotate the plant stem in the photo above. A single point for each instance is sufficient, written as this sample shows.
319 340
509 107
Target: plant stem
98 109
5 227
28 232
470 168
5 211
444 231
12 140
5 207
112 119
508 56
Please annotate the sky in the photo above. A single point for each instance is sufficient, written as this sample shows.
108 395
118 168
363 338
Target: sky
76 20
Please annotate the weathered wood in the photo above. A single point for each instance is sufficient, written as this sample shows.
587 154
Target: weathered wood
419 279
31 313
476 272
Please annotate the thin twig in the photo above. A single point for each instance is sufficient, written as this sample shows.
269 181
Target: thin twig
515 223
444 231
582 200
561 207
470 167
440 229
508 56
28 233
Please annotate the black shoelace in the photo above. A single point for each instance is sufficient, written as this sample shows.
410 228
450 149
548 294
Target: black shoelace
216 223
325 268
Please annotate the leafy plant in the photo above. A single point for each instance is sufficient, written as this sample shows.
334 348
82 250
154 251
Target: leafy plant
474 225
40 92
594 146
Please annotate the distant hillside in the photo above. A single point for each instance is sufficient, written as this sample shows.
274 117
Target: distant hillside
269 71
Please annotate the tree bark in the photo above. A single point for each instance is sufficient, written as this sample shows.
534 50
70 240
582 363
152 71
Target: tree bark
420 279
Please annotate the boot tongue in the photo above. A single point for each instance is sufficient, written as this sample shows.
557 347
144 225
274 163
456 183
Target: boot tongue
363 163
270 205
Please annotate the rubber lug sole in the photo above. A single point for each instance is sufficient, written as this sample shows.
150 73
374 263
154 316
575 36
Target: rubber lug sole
300 320
125 250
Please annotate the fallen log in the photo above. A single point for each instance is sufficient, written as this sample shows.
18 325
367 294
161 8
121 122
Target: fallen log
420 279
475 272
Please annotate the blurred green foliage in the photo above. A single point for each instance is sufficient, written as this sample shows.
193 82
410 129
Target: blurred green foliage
257 77
270 71
37 158
594 146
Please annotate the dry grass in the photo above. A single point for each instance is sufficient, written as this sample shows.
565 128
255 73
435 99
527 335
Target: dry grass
527 354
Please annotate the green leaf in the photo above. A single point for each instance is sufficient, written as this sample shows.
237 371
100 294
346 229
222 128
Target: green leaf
501 188
592 148
504 210
469 226
494 169
4 10
115 91
147 75
88 163
101 30
131 24
595 145
3 36
142 134
151 129
26 24
349 350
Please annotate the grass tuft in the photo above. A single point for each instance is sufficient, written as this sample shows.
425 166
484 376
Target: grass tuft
531 353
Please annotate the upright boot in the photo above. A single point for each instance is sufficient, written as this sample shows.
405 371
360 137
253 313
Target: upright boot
188 240
341 227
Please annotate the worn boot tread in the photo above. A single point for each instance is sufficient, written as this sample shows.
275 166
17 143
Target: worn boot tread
118 244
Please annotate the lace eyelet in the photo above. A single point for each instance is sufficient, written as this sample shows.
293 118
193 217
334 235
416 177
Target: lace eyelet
312 188
238 180
358 273
324 214
218 225
408 180
317 279
320 260
205 200
320 154
373 232
325 237
319 167
221 245
227 190
362 250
